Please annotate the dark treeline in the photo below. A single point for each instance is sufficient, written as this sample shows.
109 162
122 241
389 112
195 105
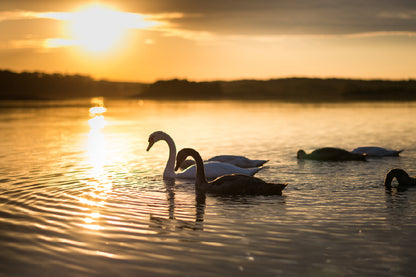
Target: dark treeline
37 85
288 89
183 89
308 89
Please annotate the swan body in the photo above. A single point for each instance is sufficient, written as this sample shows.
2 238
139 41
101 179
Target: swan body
213 169
331 154
216 169
373 151
239 161
402 177
233 184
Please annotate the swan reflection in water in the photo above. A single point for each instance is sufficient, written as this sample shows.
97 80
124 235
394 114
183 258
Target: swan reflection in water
172 223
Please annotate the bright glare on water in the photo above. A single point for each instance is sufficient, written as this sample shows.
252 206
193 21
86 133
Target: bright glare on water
80 196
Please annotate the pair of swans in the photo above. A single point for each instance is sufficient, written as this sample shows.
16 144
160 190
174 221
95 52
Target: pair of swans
231 180
215 168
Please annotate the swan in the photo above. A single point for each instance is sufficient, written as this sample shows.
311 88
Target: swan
331 154
402 177
373 151
233 184
239 161
213 169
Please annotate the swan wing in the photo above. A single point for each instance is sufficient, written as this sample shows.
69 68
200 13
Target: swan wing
239 161
216 169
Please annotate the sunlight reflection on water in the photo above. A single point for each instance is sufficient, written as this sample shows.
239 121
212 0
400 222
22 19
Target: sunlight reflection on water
98 181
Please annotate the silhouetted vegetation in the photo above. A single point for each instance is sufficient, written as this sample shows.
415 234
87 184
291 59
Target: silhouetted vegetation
315 90
38 85
183 89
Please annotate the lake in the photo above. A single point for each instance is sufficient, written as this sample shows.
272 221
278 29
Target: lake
78 190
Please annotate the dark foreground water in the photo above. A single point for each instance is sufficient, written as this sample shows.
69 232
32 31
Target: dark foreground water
77 191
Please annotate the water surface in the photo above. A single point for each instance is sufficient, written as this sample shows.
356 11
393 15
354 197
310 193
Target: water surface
77 191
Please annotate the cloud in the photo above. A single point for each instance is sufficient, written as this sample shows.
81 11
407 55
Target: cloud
304 17
16 15
202 20
93 23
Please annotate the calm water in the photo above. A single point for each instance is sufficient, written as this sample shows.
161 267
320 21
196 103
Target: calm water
77 189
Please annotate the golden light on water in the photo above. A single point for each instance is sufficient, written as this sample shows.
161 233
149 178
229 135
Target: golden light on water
96 138
96 123
98 183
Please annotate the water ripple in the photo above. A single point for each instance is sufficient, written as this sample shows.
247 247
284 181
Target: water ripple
67 209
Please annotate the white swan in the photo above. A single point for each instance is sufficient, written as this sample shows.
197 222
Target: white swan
239 161
212 169
373 151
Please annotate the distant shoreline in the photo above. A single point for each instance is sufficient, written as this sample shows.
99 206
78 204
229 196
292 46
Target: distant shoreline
42 86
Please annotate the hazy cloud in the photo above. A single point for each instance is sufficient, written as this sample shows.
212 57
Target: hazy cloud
260 17
270 17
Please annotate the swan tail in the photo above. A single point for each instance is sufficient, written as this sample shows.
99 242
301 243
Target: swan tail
258 163
254 170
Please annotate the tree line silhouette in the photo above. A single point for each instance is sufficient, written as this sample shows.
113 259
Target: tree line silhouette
37 85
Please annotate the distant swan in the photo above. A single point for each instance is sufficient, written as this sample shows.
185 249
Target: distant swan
213 169
233 184
402 177
330 154
373 151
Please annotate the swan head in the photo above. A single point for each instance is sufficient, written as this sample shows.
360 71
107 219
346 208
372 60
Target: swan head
301 154
154 137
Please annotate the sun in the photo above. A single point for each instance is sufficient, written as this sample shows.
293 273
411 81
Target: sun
97 28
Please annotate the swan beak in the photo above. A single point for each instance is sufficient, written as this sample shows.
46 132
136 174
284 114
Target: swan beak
151 142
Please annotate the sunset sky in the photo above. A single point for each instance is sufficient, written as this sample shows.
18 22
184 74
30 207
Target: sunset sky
145 41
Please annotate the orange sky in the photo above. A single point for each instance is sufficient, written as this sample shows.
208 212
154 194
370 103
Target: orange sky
208 40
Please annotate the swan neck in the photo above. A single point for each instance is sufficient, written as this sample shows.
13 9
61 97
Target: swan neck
201 178
170 164
388 180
